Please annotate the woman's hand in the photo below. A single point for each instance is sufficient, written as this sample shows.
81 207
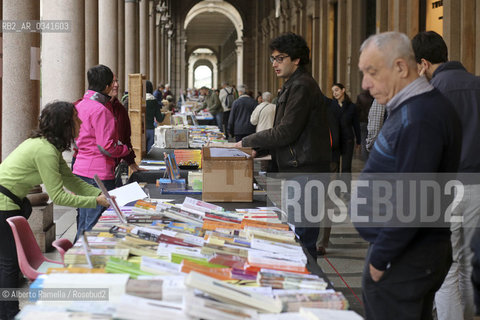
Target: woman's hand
102 200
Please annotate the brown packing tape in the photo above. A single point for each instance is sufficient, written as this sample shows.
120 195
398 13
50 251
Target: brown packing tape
227 196
230 178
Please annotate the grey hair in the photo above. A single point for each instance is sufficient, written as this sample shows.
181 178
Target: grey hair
267 96
242 88
393 45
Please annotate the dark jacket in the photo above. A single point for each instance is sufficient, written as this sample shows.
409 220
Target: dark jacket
363 104
152 112
422 135
239 119
299 140
347 120
463 90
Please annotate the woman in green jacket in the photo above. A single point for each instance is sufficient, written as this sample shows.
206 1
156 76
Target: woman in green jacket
35 161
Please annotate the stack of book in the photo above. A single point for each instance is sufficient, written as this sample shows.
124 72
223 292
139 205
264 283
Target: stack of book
288 280
221 264
292 301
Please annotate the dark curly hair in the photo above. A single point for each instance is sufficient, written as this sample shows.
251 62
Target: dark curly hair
293 45
56 124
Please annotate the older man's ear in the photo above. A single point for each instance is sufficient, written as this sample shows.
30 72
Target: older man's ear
401 66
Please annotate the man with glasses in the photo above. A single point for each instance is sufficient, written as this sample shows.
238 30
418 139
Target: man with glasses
299 141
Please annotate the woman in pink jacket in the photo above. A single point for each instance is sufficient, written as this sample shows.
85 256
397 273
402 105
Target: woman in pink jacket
97 143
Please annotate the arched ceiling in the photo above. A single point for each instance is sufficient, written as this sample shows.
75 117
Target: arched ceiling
209 28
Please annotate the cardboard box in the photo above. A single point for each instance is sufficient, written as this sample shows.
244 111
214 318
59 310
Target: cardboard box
227 179
41 218
45 238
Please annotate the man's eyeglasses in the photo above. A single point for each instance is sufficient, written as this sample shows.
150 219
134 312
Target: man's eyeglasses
278 58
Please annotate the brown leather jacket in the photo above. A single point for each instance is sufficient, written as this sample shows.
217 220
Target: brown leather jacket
299 140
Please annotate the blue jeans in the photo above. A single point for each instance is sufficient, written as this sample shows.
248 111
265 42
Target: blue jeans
150 139
88 217
219 120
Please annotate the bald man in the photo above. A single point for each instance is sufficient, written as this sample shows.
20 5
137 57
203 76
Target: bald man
406 262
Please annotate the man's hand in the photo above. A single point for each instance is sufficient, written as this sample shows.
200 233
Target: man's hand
375 273
238 144
134 167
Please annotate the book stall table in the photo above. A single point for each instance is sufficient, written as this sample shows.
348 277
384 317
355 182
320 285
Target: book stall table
182 258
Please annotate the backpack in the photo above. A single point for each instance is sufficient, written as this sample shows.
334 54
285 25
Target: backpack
229 99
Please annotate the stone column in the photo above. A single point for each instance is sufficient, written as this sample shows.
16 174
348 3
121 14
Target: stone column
152 44
169 57
63 54
239 51
121 48
107 33
382 16
91 35
20 98
130 31
341 41
163 55
452 28
158 54
143 26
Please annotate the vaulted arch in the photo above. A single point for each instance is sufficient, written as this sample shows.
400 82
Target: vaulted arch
225 13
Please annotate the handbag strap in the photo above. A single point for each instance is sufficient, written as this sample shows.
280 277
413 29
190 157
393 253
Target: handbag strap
9 194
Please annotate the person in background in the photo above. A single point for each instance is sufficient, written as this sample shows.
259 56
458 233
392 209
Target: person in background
239 125
345 113
167 91
364 102
235 91
124 133
406 261
455 298
170 104
39 160
191 95
98 141
264 114
226 96
259 97
158 94
152 114
213 105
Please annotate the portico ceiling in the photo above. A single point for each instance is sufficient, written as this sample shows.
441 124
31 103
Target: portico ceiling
209 29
